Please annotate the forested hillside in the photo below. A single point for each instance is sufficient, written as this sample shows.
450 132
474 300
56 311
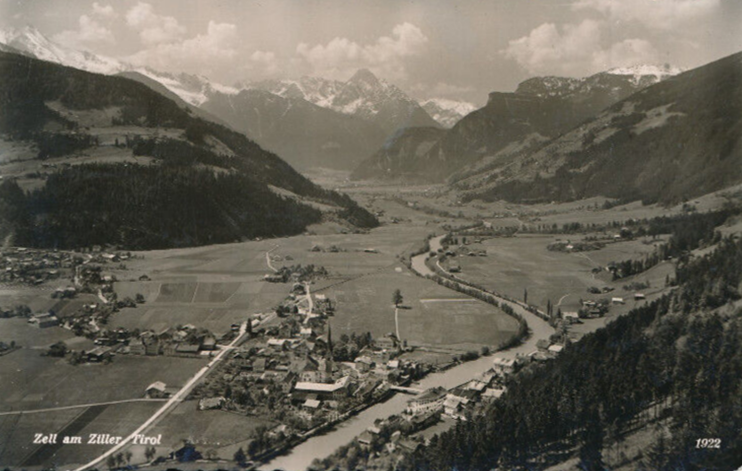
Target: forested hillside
673 140
207 183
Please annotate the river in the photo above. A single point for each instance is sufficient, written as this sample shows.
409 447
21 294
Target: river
301 456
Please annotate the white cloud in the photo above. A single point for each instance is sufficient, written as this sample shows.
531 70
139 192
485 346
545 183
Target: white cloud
662 14
340 57
104 11
197 54
263 63
439 89
549 50
89 31
576 50
626 53
153 28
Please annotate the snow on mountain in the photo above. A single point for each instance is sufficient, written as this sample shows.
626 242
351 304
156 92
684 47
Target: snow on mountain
613 83
28 40
659 72
447 112
364 95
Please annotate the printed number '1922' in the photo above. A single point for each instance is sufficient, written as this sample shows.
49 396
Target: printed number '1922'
708 443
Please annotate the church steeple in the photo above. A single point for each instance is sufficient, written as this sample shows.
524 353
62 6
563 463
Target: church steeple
329 339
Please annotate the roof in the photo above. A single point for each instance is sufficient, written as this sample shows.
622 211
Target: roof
158 385
320 387
503 361
365 437
476 385
556 348
187 347
493 393
429 395
312 403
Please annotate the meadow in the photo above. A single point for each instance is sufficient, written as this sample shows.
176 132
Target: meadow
31 381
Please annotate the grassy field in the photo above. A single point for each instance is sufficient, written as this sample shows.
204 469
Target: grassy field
30 381
518 263
17 432
28 336
209 430
117 420
432 315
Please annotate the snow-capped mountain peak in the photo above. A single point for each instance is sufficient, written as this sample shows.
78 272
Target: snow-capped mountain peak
28 40
363 95
447 112
193 89
646 69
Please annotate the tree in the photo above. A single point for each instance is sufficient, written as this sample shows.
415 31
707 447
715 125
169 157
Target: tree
149 453
111 462
525 295
240 457
397 297
59 350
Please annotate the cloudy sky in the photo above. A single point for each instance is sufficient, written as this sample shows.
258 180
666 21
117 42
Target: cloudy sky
431 48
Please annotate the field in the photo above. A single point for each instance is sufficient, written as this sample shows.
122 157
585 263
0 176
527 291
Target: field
210 430
31 381
515 264
116 420
431 314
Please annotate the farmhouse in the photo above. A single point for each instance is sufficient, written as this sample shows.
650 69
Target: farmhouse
209 403
45 320
99 354
156 390
616 300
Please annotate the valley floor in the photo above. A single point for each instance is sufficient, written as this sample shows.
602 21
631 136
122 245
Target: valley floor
215 287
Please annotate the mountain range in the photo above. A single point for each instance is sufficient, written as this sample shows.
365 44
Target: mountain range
676 139
309 122
541 109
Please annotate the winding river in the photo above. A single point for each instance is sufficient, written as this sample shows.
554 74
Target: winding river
301 456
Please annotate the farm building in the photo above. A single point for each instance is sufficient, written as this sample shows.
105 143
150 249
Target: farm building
45 320
156 390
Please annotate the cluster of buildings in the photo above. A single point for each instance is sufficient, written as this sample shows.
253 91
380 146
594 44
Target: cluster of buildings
36 266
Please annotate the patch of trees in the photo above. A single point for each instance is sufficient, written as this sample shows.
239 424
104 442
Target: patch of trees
688 232
147 208
348 347
179 153
675 362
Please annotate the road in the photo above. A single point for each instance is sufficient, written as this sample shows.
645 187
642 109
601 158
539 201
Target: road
171 403
80 406
268 259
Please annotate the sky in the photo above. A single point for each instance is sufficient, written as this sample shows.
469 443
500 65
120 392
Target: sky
452 49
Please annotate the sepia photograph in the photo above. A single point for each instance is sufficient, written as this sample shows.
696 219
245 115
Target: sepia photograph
371 235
